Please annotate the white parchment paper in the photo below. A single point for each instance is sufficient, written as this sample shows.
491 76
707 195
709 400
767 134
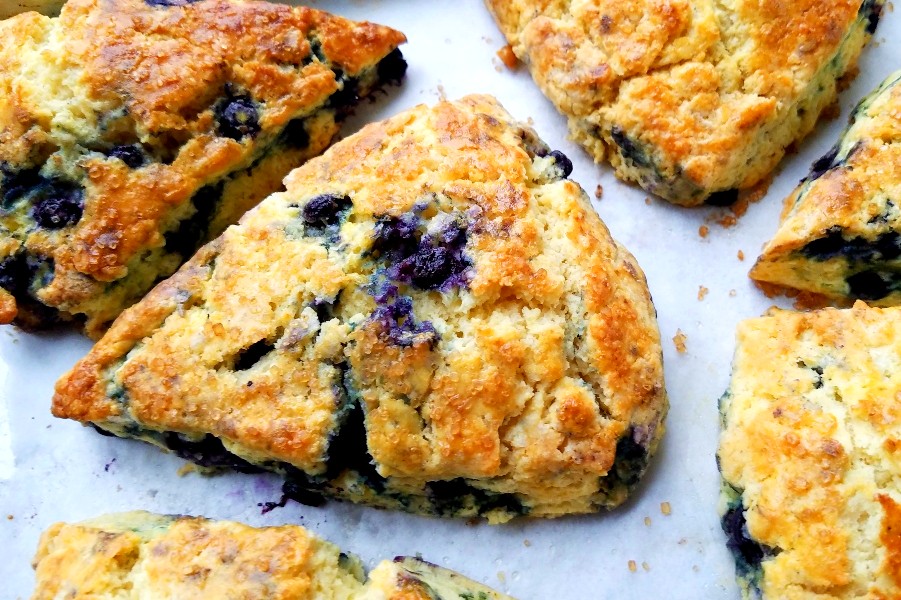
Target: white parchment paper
52 470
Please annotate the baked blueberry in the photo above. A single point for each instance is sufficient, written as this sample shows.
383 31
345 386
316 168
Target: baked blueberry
237 116
58 204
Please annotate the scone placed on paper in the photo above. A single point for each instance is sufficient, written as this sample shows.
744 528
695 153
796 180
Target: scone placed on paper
131 132
691 99
135 555
810 457
9 8
840 234
431 318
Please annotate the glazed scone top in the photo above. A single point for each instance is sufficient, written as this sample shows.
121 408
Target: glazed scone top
150 76
811 442
524 364
694 82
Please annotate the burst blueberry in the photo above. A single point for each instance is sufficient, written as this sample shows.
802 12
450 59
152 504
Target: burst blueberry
237 116
563 163
325 209
132 155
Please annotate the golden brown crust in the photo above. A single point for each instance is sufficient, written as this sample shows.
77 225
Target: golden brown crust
536 368
687 98
116 72
810 427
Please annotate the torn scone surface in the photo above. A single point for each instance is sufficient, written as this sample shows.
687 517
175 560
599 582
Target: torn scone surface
431 318
809 454
693 100
840 232
132 132
138 554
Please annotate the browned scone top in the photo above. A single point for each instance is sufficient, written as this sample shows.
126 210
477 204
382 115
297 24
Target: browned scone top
139 555
435 278
688 98
123 119
809 454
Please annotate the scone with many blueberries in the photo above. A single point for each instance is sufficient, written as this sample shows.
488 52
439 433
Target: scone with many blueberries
691 99
134 555
133 131
809 454
431 318
840 234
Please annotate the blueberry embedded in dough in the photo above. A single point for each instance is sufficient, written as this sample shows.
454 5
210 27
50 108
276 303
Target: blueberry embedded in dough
237 115
131 154
563 164
58 204
325 210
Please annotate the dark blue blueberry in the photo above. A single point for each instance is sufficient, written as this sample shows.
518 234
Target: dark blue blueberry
133 155
823 164
392 68
396 236
237 115
748 553
15 274
630 459
252 355
17 184
59 204
722 198
295 134
563 163
207 452
325 209
856 249
628 148
871 285
429 268
874 12
889 245
348 96
832 244
451 497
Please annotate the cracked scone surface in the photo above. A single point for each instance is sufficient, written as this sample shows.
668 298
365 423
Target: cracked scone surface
132 132
809 454
430 318
840 232
691 99
143 555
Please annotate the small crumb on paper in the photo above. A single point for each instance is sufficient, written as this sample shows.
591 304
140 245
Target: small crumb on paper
645 566
702 292
526 543
666 509
647 200
732 293
741 255
703 230
598 191
501 577
187 468
507 57
647 521
633 566
679 341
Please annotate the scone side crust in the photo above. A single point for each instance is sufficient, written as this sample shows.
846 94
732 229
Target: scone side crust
839 232
713 98
807 453
450 390
113 106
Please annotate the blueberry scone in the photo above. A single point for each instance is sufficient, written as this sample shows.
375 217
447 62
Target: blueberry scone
133 131
840 234
809 454
134 555
691 99
9 8
431 318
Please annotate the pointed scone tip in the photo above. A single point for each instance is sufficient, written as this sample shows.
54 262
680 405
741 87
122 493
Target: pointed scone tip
430 318
131 132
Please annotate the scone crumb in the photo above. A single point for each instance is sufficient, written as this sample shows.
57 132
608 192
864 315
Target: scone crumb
727 221
9 517
526 543
647 200
703 230
501 577
633 566
666 509
645 566
732 293
187 468
507 57
741 254
679 341
442 95
702 292
598 191
647 521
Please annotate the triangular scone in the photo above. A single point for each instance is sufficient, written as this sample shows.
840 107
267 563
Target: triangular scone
691 99
135 555
133 131
840 233
809 454
431 318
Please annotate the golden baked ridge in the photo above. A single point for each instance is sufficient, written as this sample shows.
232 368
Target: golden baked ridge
809 454
133 131
691 99
840 233
431 318
135 555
